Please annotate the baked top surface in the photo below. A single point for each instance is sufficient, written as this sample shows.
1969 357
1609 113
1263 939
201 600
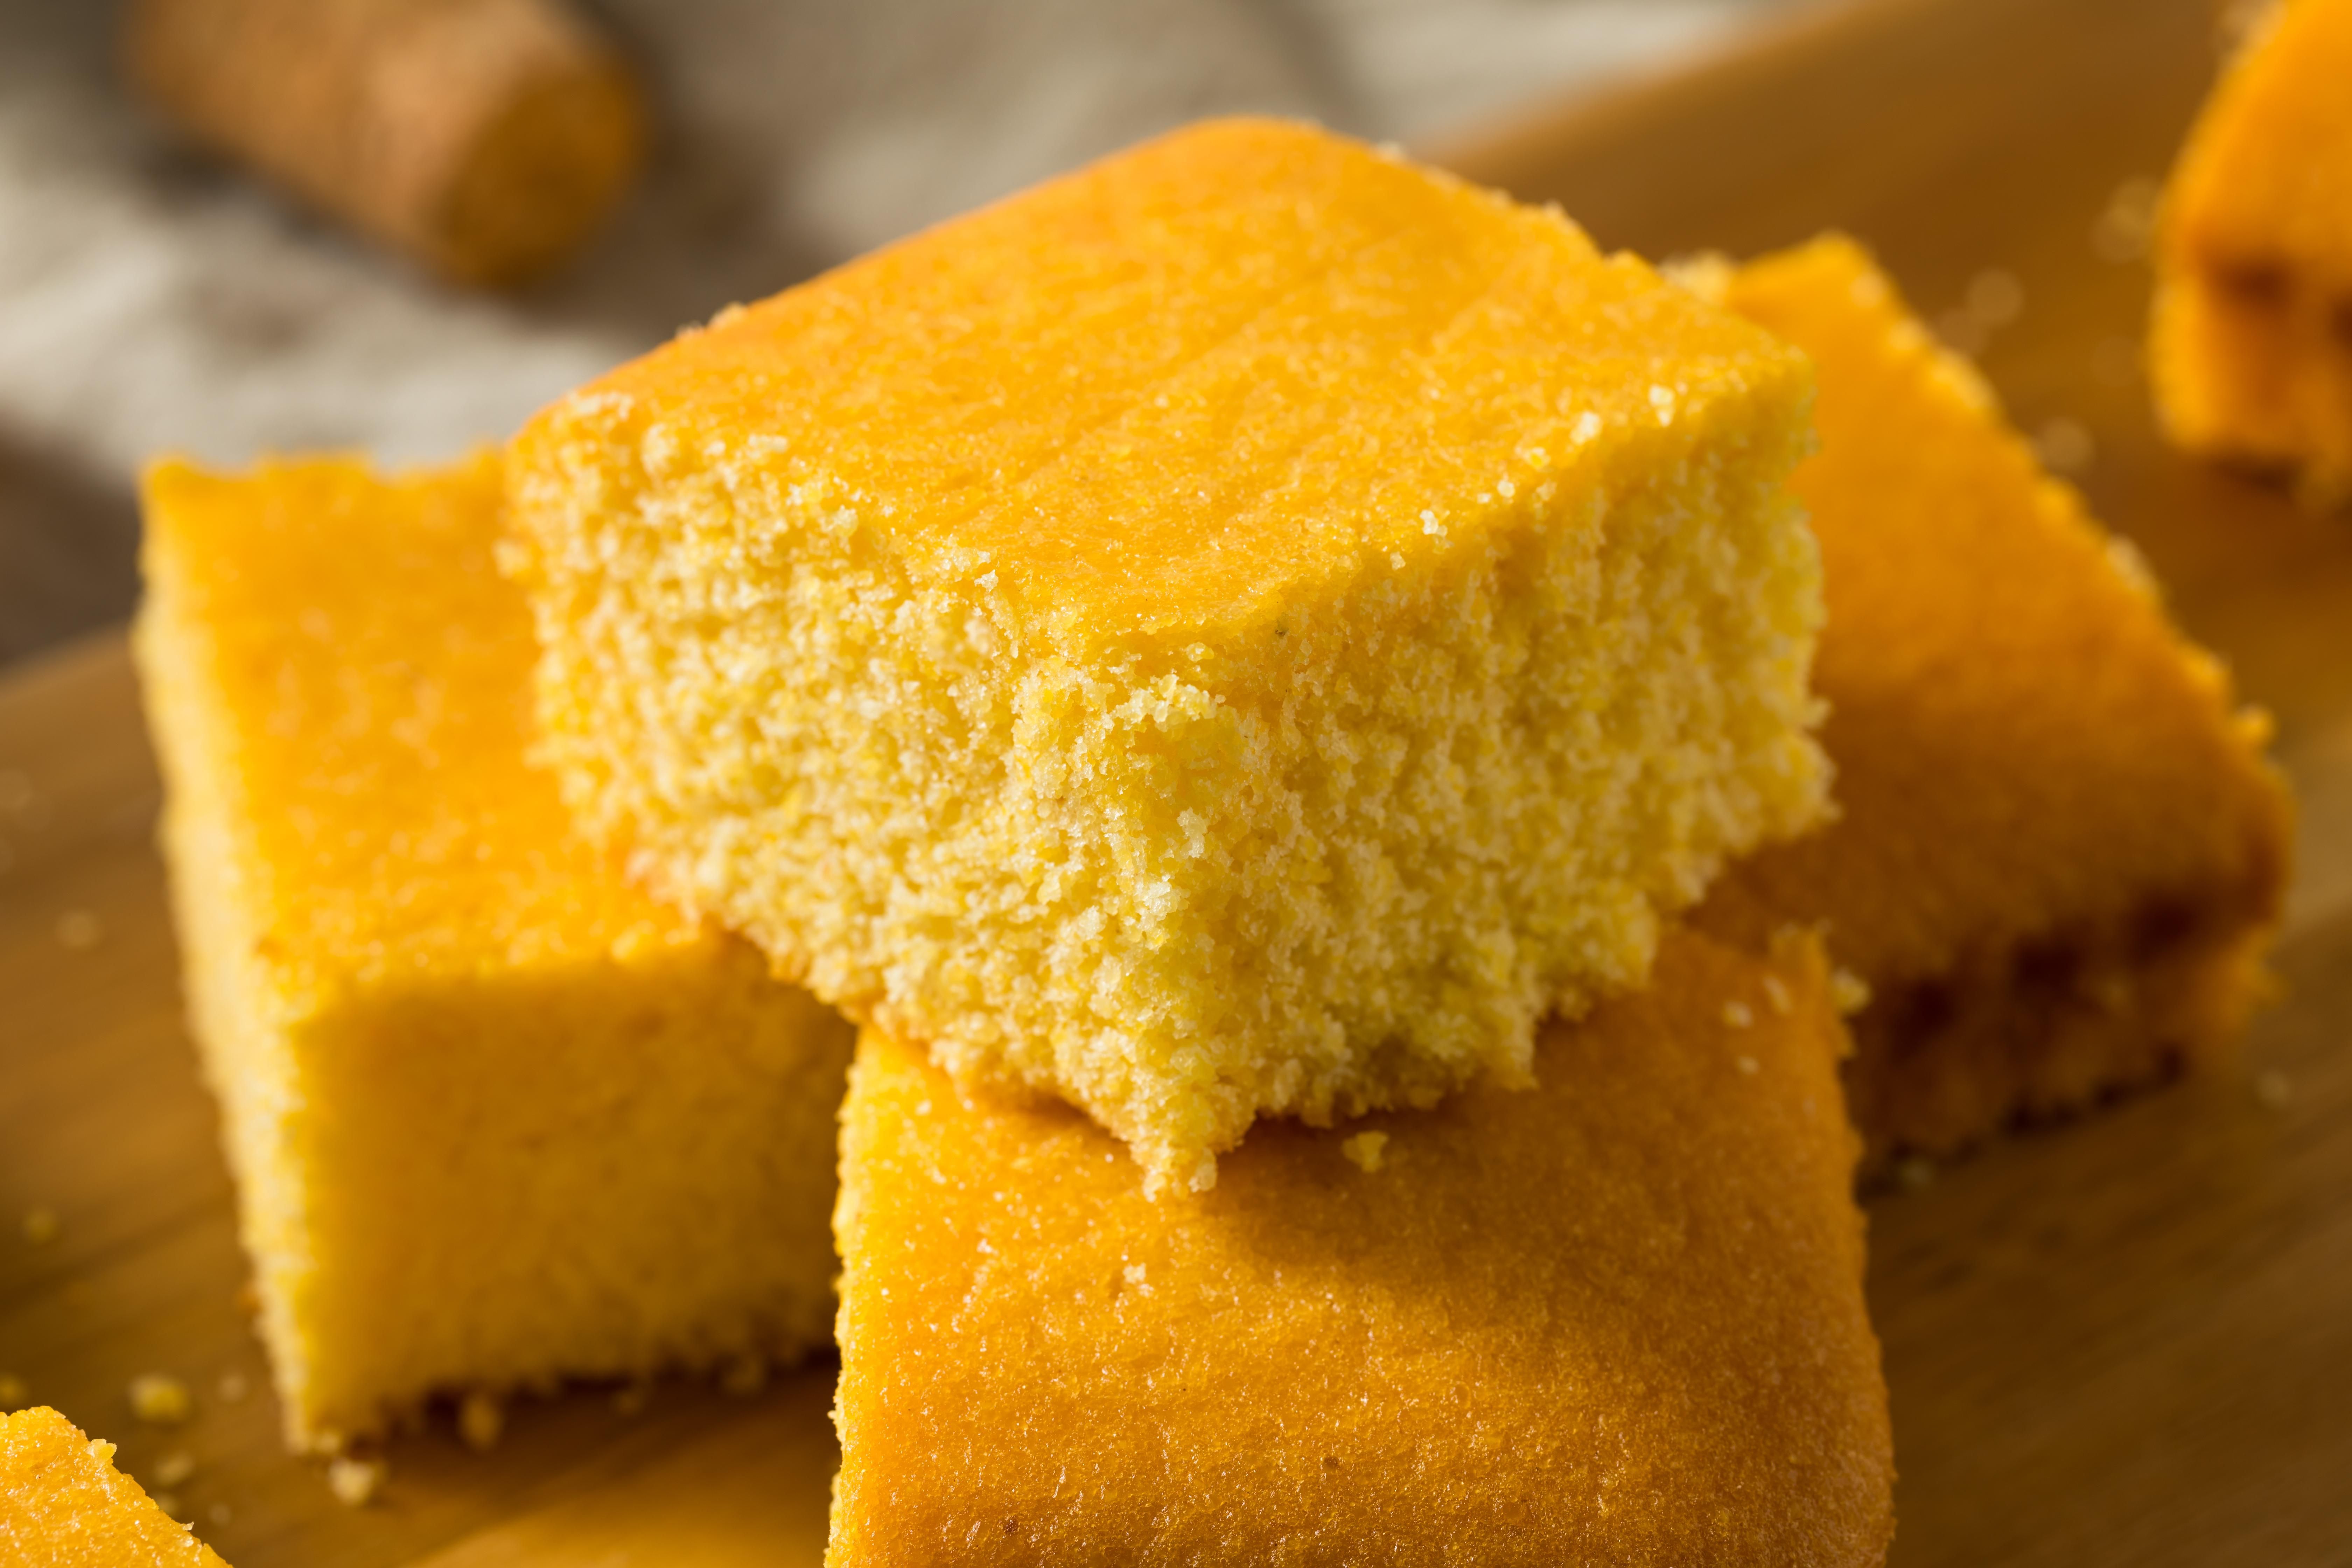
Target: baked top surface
2266 179
2023 742
363 673
64 1505
1178 389
1616 1316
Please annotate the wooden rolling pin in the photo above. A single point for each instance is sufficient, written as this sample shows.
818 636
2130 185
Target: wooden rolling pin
487 138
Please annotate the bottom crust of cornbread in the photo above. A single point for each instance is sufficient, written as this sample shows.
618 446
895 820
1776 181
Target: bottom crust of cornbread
2059 854
64 1505
497 1118
1617 1318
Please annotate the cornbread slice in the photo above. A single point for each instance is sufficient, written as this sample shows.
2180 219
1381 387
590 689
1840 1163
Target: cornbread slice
2252 352
495 1117
1243 628
2060 855
64 1505
1616 1319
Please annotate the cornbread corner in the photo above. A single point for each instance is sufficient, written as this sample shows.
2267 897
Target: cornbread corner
1618 1318
2251 346
2061 854
1244 630
64 1505
496 1117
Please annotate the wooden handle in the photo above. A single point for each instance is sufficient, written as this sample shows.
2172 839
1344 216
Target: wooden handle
484 136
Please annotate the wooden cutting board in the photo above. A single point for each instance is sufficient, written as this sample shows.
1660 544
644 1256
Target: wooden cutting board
2123 1341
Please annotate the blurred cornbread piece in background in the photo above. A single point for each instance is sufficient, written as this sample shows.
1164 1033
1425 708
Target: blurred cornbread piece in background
1243 628
495 1117
486 138
64 1505
2059 854
1618 1318
2251 356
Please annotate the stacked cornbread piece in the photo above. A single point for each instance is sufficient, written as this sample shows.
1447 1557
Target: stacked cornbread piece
497 1118
2251 354
2060 855
1246 629
1252 630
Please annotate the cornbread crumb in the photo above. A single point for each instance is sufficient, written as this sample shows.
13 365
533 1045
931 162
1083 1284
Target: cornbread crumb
161 1400
1366 1150
2127 222
40 1225
174 1468
1290 750
481 1417
1848 992
1738 1014
78 930
355 1482
1995 298
14 1394
2272 1088
2064 446
1775 991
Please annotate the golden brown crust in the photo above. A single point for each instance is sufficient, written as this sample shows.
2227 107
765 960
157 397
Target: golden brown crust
64 1505
1614 1318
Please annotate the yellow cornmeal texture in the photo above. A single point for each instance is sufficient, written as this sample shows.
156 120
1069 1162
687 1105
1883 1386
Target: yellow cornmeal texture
2251 354
64 1505
1243 628
2059 854
1615 1320
495 1117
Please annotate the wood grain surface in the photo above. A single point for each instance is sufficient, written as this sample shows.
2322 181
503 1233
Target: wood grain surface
2126 1340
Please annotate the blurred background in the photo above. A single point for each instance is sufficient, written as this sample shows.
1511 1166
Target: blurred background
157 295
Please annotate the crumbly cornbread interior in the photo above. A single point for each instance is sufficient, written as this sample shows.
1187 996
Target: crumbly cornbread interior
2250 354
2060 855
64 1505
1244 630
1618 1318
497 1118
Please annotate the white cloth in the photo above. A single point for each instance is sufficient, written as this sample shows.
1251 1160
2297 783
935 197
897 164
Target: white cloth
152 301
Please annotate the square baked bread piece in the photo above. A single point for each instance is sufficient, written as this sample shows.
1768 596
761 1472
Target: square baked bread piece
2251 354
495 1117
2059 854
1618 1318
1245 628
64 1505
